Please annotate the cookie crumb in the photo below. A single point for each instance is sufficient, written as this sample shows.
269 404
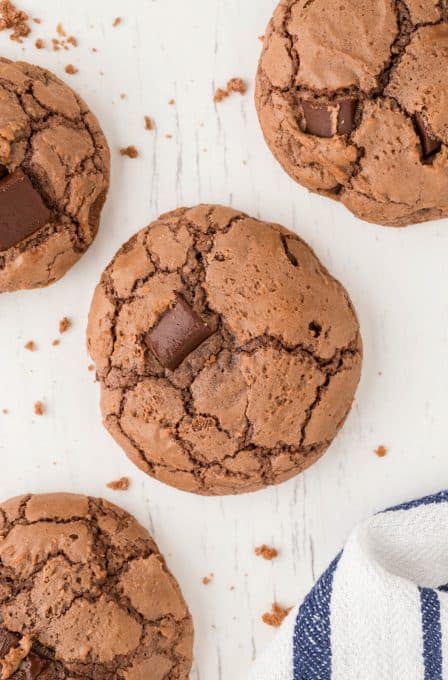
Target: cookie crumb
149 124
60 30
14 20
233 85
71 70
276 616
37 20
121 484
168 136
5 411
65 324
207 579
31 346
117 21
55 343
39 44
171 102
266 552
129 151
123 95
381 451
39 408
90 367
72 41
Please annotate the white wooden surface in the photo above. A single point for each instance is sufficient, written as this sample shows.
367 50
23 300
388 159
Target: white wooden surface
398 281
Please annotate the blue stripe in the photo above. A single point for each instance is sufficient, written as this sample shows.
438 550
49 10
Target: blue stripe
312 632
432 634
441 497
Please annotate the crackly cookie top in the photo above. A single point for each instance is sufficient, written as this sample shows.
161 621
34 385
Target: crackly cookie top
84 593
228 356
54 176
351 100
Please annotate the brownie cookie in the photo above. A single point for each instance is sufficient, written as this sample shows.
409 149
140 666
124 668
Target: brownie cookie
54 176
228 356
85 593
351 97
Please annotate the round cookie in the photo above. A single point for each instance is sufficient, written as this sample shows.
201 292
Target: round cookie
54 176
85 593
228 356
351 100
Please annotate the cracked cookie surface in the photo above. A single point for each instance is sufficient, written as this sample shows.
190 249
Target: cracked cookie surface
48 133
269 384
85 593
351 99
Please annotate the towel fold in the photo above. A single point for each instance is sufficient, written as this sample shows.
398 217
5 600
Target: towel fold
380 611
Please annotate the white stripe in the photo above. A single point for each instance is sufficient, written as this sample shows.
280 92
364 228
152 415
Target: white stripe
375 619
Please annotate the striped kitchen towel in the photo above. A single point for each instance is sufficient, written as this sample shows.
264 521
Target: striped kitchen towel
380 611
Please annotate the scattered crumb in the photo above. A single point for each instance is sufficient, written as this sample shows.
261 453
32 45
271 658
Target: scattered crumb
381 451
31 346
39 44
121 484
168 136
117 21
123 95
233 85
72 41
261 38
244 162
276 616
171 102
232 587
149 123
129 151
39 408
90 367
94 49
65 324
60 30
55 343
266 552
14 20
37 20
5 411
207 579
71 70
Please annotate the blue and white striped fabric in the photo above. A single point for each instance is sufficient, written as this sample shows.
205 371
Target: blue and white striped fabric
380 612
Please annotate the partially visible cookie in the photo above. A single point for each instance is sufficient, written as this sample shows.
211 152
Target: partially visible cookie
228 356
54 176
351 97
85 593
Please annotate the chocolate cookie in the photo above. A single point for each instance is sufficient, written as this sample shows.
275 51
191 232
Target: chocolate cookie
85 593
351 97
54 176
228 356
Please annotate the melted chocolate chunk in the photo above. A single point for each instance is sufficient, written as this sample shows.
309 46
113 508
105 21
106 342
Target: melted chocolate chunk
22 211
31 667
326 120
179 331
430 143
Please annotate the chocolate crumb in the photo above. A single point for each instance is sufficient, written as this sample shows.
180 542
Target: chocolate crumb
14 20
65 324
90 367
5 411
71 70
60 30
266 552
149 124
117 21
233 85
39 44
39 408
55 343
207 579
72 41
31 346
121 484
381 451
37 20
129 151
168 136
276 616
171 102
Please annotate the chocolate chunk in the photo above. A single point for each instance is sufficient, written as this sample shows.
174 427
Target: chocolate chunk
346 116
323 121
8 640
430 143
31 668
22 211
179 331
318 118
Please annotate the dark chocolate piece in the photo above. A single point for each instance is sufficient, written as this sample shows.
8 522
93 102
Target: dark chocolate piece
8 640
319 117
346 116
22 211
178 332
30 668
430 143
